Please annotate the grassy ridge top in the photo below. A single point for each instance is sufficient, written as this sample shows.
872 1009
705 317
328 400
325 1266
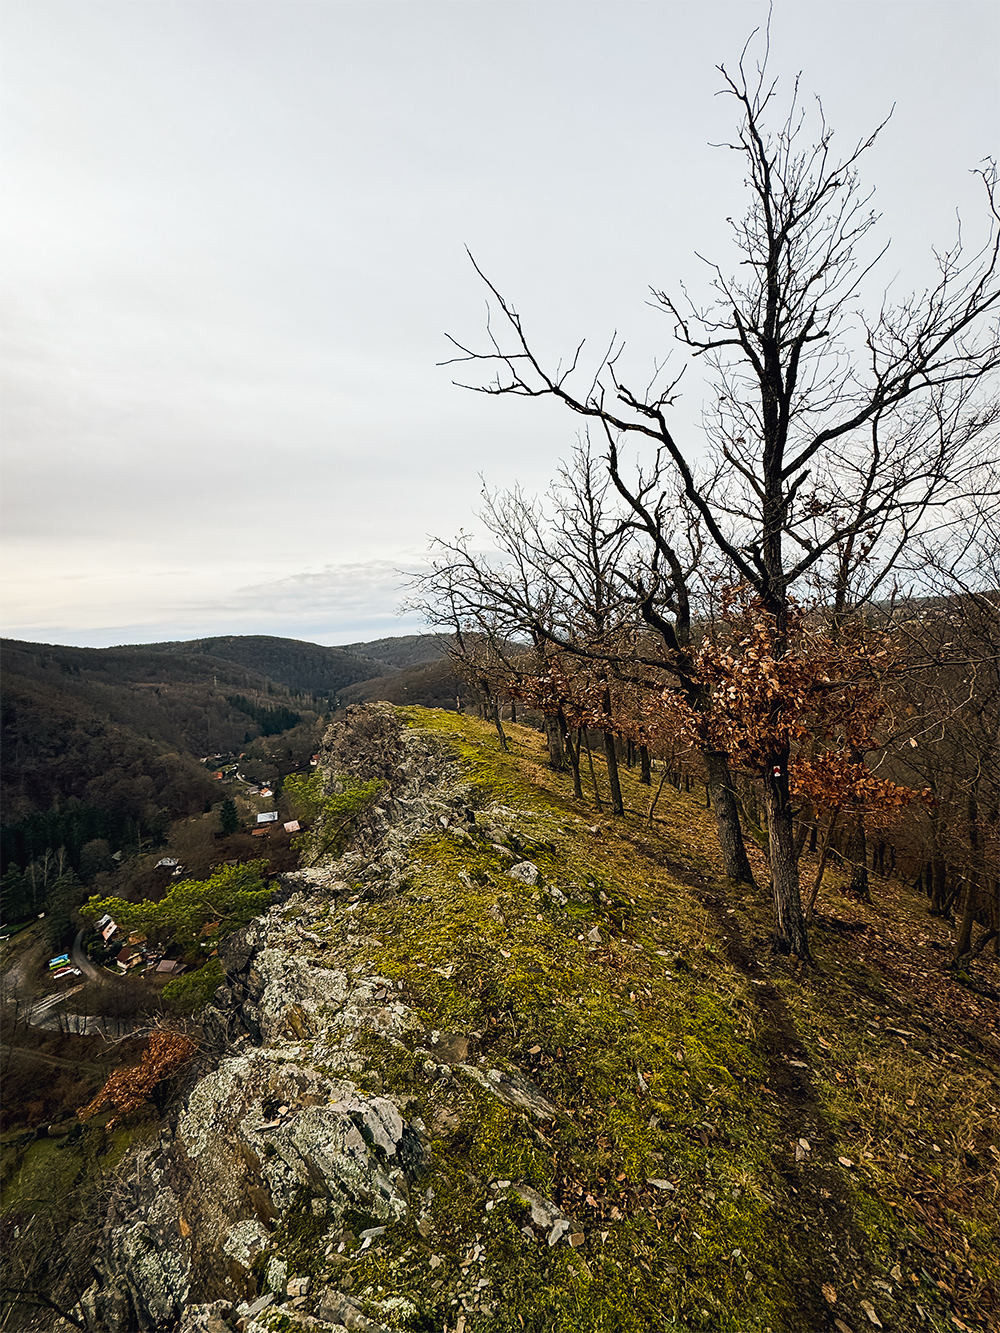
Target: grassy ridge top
737 1147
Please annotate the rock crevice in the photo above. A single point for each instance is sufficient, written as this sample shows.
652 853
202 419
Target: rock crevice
277 1129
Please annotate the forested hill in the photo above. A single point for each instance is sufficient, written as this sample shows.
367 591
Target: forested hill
113 726
407 650
311 667
124 728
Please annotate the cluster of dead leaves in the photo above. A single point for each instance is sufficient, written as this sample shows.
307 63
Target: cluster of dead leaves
825 697
127 1089
832 780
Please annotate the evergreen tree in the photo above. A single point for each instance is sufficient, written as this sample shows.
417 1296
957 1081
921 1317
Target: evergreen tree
15 895
231 898
229 817
64 895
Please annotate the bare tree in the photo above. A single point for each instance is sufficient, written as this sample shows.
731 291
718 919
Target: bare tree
556 587
609 595
954 715
837 430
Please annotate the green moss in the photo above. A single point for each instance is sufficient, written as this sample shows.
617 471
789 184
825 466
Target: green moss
46 1175
192 992
331 813
638 1056
875 1221
62 1176
296 1239
661 1064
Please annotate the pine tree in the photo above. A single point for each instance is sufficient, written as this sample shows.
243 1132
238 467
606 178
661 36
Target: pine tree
229 817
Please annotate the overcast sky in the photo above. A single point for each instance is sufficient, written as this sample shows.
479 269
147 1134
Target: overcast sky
234 240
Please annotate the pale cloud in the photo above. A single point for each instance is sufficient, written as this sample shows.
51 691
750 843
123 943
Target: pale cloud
336 604
234 241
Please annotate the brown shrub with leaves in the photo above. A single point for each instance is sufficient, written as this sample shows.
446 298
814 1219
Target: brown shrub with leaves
127 1089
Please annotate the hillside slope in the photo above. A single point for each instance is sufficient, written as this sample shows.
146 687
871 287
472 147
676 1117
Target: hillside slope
121 728
499 1067
299 665
429 684
404 650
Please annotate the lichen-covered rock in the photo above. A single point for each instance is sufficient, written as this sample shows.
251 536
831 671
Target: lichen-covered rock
513 1088
286 1146
215 1317
525 871
277 1123
437 1096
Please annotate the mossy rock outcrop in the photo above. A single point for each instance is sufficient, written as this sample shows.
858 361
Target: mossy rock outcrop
499 1068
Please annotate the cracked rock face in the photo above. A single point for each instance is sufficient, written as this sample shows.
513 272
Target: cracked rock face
277 1123
280 1139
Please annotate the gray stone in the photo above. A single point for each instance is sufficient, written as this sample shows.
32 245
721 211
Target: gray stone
544 1213
448 1048
245 1240
216 1317
514 1089
277 1111
526 873
336 1307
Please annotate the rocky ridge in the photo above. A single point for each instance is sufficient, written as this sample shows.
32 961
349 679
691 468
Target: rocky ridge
281 1135
501 1068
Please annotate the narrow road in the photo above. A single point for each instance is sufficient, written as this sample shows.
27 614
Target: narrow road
40 1012
81 961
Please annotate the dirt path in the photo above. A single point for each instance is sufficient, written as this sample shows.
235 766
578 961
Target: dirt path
41 1008
81 961
57 1062
805 1147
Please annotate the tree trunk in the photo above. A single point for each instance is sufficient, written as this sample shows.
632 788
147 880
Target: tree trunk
574 759
963 941
790 927
656 797
723 800
802 832
611 755
814 892
746 800
554 739
988 936
493 711
593 775
645 768
857 855
939 883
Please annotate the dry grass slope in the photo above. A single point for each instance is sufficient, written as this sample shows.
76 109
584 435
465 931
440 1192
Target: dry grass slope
822 1141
